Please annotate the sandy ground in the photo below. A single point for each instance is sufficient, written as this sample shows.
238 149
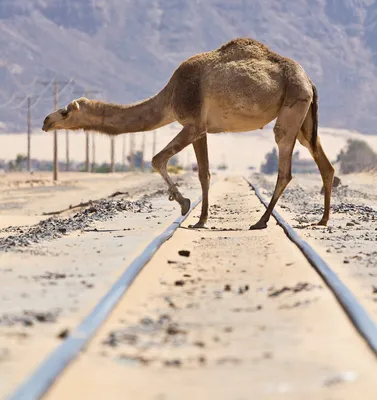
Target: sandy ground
25 197
219 323
52 279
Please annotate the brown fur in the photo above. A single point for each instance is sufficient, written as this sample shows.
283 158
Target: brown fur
241 86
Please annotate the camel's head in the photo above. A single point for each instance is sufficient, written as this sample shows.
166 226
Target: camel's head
65 118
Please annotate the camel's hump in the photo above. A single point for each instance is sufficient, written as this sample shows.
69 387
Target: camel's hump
247 48
244 44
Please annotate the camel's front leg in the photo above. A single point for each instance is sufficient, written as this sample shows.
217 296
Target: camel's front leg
201 152
188 134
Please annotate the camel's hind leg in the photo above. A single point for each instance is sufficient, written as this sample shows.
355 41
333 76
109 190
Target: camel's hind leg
286 130
188 135
201 152
324 165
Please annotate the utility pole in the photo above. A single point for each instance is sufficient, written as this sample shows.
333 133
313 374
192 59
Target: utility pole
55 149
154 144
142 153
124 152
56 167
87 143
88 93
67 162
112 153
28 133
132 150
93 153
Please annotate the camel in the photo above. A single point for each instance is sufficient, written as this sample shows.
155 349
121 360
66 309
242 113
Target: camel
241 86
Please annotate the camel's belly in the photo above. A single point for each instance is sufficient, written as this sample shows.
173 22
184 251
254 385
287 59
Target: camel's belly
223 121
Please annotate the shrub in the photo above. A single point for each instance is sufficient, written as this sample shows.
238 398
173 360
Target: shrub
271 164
356 157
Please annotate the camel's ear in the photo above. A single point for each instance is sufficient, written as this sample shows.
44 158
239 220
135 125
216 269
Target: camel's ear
75 105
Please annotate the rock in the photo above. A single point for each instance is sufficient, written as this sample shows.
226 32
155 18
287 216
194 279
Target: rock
184 253
227 288
173 363
63 334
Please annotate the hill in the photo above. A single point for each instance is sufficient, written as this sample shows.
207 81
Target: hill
129 48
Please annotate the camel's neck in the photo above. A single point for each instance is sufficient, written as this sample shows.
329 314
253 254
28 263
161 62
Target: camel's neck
115 119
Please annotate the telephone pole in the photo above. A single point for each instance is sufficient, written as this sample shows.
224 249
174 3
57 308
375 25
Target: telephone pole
124 152
93 154
142 153
55 149
154 144
56 167
132 150
28 133
67 162
112 153
88 93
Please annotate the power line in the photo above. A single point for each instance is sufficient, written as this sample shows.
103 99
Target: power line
39 95
22 87
13 97
48 87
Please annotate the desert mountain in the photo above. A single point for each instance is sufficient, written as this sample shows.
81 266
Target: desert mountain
128 49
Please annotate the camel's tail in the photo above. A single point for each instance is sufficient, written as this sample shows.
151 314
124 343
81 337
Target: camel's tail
314 116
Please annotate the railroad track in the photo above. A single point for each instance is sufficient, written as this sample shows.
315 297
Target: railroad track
37 385
359 317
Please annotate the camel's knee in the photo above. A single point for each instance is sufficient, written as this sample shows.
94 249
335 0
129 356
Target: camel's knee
279 132
158 162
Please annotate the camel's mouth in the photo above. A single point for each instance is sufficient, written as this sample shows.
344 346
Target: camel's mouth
47 126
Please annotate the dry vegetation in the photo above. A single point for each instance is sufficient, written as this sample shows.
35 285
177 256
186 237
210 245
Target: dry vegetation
357 157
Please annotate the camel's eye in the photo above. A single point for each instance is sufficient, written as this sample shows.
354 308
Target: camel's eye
64 113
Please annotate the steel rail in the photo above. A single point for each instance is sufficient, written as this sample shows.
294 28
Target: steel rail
47 372
359 317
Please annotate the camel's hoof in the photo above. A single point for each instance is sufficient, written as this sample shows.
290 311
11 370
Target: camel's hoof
322 222
198 225
185 207
258 225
